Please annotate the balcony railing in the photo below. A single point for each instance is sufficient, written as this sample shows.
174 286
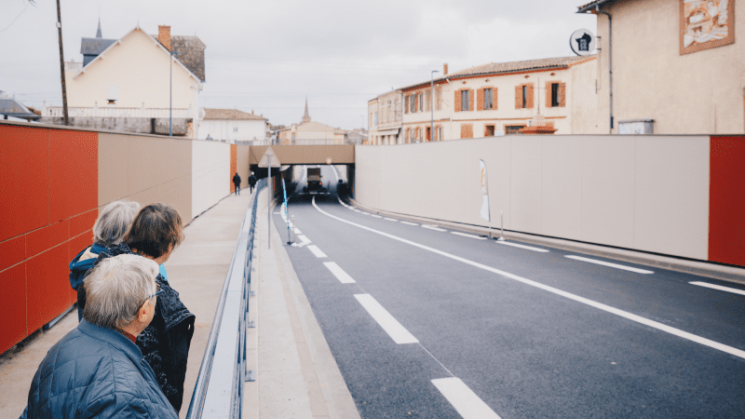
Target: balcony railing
115 112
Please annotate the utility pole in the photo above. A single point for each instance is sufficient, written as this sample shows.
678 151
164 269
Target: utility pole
432 105
62 65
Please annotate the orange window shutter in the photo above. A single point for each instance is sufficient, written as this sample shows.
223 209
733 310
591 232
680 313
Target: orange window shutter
480 100
494 99
406 104
518 97
531 96
548 91
456 101
562 94
470 100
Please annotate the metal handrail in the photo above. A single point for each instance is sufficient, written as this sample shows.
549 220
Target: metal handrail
201 387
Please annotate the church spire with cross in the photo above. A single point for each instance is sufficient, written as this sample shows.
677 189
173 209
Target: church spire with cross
306 116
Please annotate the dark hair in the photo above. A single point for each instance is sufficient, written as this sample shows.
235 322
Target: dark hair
154 230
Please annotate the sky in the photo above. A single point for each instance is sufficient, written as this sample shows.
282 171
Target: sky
269 55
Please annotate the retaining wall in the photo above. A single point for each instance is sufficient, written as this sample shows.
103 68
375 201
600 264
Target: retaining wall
52 183
673 195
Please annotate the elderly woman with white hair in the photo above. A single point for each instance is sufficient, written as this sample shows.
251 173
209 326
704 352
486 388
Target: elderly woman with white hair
97 370
113 222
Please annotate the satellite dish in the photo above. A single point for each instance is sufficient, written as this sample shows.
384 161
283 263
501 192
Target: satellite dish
582 42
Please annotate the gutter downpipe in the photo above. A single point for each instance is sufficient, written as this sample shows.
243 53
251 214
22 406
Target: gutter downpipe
610 62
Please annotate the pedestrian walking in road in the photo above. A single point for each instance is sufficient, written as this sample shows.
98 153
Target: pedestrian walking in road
237 182
97 370
113 221
155 232
251 182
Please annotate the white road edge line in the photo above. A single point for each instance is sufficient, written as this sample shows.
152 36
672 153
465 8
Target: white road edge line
522 246
612 265
432 227
339 273
629 316
391 326
463 399
297 231
376 216
390 219
316 251
409 224
470 236
718 287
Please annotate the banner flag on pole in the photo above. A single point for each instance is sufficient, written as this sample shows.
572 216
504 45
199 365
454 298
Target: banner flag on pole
284 193
485 213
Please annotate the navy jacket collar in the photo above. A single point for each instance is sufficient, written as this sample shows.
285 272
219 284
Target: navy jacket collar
112 337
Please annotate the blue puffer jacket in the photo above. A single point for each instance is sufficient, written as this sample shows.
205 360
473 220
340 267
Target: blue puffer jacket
95 372
79 267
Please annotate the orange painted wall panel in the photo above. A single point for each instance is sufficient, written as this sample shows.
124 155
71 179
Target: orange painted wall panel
73 173
12 251
48 286
45 238
13 308
727 200
24 186
83 222
233 165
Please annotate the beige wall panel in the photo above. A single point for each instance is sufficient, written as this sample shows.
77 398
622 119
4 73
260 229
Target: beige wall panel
525 205
562 187
608 190
243 167
210 174
672 195
112 167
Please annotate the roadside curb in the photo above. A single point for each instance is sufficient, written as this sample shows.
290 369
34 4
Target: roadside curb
709 270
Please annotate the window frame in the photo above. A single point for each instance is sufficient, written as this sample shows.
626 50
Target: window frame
488 98
465 100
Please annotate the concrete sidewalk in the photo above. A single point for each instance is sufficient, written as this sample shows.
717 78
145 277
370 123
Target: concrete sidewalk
297 375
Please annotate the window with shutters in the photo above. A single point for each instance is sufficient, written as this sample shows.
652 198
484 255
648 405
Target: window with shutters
439 133
465 100
489 131
438 98
525 96
513 129
487 99
428 135
428 101
421 102
554 95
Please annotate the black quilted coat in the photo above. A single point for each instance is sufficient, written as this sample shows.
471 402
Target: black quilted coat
165 343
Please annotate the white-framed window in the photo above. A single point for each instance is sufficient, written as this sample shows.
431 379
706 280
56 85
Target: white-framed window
465 100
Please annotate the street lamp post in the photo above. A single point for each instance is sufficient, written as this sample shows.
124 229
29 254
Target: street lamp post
432 105
170 98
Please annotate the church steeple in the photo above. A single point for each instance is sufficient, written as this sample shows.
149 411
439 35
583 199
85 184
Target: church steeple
306 116
98 32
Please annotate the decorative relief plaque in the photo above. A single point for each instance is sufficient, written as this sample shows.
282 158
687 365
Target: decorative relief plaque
706 24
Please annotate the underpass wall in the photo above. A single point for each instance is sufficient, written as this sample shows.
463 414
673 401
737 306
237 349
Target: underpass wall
54 180
648 193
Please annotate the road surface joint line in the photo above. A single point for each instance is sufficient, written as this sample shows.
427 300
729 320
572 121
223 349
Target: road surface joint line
611 265
339 273
522 246
390 325
718 287
463 399
612 310
470 236
316 251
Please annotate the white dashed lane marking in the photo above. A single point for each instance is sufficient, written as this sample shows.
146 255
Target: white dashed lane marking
339 273
718 287
435 228
470 236
316 251
390 219
522 246
611 265
391 326
463 399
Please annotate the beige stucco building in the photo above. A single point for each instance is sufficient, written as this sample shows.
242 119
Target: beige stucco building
130 78
679 63
385 118
495 99
232 125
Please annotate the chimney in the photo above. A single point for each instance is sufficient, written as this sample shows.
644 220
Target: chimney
445 69
164 36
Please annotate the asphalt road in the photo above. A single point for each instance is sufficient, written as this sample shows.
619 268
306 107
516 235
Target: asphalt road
515 332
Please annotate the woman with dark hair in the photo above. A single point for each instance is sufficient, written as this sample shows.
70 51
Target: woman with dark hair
155 232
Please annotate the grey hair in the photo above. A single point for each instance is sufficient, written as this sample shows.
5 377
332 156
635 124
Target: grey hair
113 222
116 288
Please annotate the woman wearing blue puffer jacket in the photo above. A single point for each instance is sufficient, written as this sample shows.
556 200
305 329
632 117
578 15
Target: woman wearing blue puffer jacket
113 222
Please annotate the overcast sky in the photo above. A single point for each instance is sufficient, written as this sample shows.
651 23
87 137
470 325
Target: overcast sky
267 55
